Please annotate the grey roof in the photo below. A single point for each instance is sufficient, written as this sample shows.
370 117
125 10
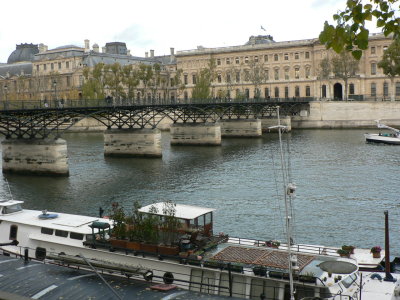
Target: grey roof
66 46
23 52
93 58
166 59
11 70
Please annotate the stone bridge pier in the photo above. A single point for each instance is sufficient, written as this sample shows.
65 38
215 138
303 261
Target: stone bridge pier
196 134
35 156
132 142
241 128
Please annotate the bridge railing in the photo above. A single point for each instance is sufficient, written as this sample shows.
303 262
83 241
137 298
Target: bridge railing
43 104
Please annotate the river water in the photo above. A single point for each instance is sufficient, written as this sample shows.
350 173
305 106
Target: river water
343 185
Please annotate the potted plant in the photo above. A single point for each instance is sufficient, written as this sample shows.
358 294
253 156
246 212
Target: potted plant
273 244
134 228
150 231
169 230
118 235
343 253
349 248
376 251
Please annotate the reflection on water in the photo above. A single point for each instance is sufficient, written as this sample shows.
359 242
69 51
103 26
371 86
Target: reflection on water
344 185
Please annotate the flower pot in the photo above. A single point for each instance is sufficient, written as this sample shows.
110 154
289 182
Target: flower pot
376 254
148 248
168 250
133 245
118 243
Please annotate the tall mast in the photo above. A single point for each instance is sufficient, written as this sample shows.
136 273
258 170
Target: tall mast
289 190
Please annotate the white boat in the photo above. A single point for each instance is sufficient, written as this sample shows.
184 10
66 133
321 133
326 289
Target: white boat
392 138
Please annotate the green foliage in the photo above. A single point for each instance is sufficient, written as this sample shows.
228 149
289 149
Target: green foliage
350 32
94 83
390 62
325 68
114 80
201 90
131 80
151 226
344 66
118 218
170 223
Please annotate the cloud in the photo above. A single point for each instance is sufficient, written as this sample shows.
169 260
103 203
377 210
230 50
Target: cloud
134 35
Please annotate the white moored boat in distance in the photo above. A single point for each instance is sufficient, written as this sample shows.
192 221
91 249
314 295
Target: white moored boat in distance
392 138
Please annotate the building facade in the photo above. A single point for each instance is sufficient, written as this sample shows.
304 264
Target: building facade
57 74
263 68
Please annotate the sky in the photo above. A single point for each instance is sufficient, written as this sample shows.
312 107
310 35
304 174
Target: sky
159 24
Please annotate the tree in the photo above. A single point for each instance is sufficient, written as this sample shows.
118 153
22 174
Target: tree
145 75
256 76
324 70
204 82
94 85
350 32
390 64
344 66
130 80
114 80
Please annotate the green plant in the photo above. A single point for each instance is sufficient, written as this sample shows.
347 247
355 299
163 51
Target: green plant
348 248
376 249
343 252
150 226
170 224
118 218
135 223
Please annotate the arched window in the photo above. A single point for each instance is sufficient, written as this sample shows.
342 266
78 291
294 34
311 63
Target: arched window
308 91
276 92
373 89
276 74
219 78
286 73
323 91
297 91
276 57
385 89
247 93
185 95
266 91
351 89
286 92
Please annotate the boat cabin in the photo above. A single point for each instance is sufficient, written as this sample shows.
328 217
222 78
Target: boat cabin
192 218
10 206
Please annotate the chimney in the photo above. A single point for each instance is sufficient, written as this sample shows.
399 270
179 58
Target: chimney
41 48
104 49
87 47
128 52
46 48
96 48
146 54
172 51
152 53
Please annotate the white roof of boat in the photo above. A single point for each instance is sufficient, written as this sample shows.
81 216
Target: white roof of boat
182 211
67 222
10 202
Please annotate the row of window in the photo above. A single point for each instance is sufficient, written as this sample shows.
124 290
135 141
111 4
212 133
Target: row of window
275 57
53 66
385 88
246 73
62 233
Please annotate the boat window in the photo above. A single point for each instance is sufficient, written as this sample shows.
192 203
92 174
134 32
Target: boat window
12 209
47 231
208 218
62 233
76 236
13 232
348 281
89 237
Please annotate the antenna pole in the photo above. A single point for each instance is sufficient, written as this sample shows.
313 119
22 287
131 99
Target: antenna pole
288 190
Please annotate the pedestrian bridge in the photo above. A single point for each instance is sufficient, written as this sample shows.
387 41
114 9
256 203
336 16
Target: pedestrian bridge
33 129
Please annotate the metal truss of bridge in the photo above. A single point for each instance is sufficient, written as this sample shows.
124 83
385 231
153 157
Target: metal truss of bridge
33 120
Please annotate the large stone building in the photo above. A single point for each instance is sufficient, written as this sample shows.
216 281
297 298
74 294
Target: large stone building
261 68
33 72
267 69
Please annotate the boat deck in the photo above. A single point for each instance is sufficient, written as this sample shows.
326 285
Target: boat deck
262 257
36 280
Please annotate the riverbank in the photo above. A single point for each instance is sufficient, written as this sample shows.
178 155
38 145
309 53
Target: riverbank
349 114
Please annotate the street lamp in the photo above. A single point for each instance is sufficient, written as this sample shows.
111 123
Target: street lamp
6 91
55 89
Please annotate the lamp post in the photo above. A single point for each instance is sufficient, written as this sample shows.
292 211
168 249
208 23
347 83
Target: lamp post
5 92
55 89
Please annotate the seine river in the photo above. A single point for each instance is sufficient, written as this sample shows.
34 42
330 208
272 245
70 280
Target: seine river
343 185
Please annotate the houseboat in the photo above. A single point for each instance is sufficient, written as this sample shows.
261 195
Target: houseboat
188 254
